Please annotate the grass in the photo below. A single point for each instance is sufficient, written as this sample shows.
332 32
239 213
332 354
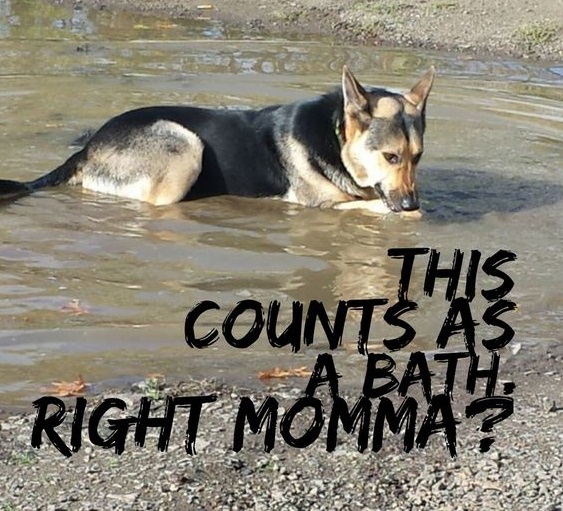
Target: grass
532 35
290 16
153 388
445 6
370 27
113 463
23 458
373 19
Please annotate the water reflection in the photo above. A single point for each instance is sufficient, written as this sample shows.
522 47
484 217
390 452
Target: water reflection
490 178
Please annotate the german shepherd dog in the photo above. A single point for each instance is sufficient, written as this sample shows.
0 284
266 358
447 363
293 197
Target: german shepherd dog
354 147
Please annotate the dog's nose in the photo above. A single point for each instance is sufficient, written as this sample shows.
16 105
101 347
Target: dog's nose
409 203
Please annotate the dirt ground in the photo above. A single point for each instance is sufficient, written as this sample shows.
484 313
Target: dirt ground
521 28
521 471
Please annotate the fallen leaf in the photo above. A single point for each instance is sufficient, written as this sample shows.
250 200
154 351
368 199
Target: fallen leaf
276 372
69 389
73 307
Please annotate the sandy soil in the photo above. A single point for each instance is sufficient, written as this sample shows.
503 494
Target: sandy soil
522 28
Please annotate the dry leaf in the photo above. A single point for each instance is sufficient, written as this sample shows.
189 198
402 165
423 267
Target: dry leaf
276 372
69 389
73 307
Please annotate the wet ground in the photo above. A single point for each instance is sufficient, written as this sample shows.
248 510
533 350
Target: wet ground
519 28
491 178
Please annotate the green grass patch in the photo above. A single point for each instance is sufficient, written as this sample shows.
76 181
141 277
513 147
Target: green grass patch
533 35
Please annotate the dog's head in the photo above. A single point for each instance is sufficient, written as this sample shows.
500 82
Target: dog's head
383 139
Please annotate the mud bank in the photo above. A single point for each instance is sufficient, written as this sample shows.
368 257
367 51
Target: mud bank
505 27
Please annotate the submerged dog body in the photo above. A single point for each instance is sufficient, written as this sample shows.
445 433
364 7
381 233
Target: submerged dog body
349 148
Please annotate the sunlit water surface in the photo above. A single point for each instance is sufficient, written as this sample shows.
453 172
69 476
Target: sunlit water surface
491 178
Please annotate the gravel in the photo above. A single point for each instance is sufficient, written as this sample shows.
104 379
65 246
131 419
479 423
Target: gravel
522 470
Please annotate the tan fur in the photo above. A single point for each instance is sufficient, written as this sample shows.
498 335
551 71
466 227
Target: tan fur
418 94
373 206
409 107
307 186
357 159
181 174
387 108
147 171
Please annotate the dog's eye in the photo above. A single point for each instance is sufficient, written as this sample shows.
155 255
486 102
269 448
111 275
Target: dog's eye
416 158
392 158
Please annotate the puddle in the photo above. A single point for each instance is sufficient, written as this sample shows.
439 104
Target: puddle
491 178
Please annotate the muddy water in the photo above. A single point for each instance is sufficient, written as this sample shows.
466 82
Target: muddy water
491 178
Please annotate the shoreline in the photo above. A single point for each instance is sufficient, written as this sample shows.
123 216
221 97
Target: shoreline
516 29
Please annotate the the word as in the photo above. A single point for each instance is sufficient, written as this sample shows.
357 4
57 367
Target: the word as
459 317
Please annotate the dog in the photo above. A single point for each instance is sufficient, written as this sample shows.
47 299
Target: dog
351 148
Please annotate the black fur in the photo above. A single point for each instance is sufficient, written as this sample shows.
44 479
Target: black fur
241 155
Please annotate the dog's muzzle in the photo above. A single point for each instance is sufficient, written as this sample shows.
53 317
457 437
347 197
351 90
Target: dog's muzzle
396 202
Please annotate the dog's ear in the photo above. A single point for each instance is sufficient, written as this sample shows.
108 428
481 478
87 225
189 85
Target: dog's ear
356 102
419 93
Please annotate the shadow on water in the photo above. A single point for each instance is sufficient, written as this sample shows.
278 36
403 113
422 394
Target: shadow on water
466 194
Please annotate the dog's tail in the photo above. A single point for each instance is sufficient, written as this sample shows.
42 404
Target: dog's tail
10 190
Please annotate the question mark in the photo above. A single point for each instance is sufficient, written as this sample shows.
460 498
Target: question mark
479 405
